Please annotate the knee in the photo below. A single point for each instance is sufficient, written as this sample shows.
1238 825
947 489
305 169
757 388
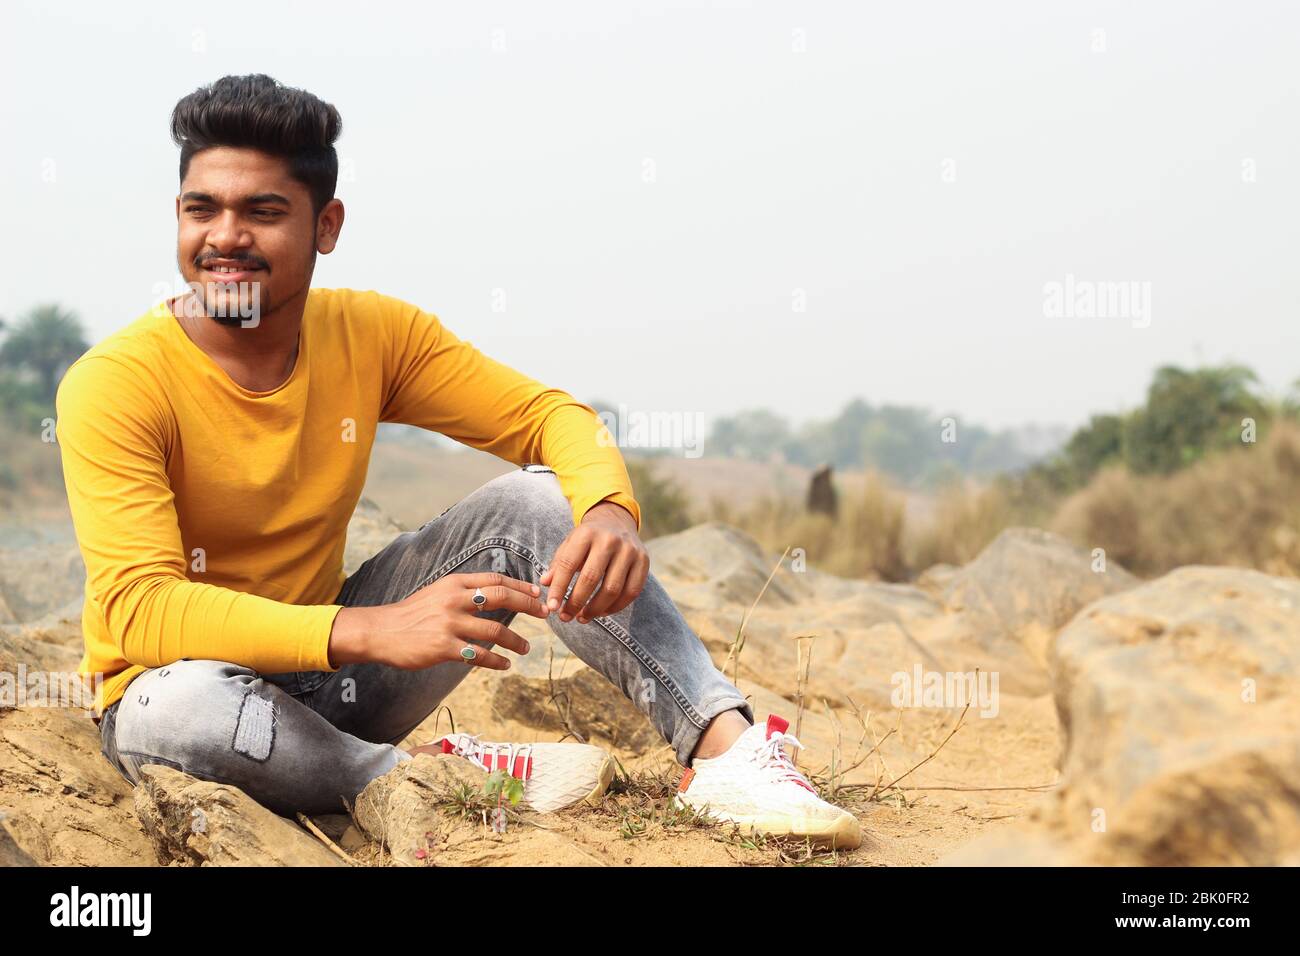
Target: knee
535 490
185 682
182 707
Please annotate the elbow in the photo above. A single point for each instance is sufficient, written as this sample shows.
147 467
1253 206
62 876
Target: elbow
130 611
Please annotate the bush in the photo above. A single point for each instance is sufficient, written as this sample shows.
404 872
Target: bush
864 540
664 505
1240 507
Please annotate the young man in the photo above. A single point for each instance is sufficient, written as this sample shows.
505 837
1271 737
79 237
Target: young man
214 451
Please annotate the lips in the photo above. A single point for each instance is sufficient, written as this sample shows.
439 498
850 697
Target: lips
230 271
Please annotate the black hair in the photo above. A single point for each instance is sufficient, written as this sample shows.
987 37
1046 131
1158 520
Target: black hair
257 111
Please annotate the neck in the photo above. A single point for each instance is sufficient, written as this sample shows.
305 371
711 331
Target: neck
260 357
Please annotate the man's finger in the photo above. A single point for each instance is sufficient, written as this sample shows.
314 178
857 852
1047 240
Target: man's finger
484 658
611 587
636 580
492 632
589 578
487 579
567 561
501 596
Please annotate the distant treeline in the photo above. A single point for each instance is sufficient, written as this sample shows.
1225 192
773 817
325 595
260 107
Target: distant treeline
36 350
1187 414
913 445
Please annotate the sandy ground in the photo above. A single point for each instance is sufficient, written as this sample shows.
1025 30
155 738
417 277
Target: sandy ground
969 786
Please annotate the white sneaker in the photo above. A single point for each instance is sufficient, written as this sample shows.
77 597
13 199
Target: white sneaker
754 784
554 775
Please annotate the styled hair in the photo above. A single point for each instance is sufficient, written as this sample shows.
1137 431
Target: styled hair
258 112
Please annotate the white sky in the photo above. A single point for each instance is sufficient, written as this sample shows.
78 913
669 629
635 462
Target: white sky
521 170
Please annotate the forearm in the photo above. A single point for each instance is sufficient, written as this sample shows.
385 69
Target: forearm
586 460
160 619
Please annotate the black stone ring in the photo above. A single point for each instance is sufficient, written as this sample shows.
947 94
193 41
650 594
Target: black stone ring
479 597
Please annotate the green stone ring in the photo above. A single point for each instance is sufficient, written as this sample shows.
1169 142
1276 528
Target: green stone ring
468 653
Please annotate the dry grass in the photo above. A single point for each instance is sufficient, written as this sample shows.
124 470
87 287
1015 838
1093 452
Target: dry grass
966 518
1238 508
31 472
864 540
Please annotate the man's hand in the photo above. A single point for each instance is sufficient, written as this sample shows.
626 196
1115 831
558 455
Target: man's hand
435 624
605 550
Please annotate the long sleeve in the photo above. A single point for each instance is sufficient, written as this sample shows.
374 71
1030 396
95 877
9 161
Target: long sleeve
113 438
442 383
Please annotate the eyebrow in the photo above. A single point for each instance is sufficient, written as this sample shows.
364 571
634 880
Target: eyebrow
259 198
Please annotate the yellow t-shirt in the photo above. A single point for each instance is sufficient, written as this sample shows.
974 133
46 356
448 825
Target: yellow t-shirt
212 519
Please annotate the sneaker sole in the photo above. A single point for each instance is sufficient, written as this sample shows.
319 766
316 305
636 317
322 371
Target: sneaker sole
842 833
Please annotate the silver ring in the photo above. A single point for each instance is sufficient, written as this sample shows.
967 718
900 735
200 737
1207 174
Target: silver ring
468 652
479 597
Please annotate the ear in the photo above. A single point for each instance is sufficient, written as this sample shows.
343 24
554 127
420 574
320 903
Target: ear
328 226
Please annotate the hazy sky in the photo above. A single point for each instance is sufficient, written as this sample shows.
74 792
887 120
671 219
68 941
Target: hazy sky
651 183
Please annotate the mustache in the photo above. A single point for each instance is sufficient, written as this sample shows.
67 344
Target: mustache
241 260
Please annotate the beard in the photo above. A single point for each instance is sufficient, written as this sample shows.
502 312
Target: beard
234 305
230 315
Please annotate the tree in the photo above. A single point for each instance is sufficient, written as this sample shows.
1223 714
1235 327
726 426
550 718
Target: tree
751 434
1189 413
43 343
1098 443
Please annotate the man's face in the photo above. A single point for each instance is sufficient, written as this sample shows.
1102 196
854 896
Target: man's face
246 235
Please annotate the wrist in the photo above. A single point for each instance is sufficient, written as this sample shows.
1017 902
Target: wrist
350 636
613 510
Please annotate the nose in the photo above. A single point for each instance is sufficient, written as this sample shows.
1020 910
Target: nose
226 235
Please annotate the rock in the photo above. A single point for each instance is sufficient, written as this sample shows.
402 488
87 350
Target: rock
935 579
416 811
1006 605
49 645
1180 701
41 573
197 823
865 631
591 705
68 805
11 854
406 808
369 531
714 564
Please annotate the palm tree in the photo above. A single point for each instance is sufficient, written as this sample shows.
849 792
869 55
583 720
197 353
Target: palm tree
44 342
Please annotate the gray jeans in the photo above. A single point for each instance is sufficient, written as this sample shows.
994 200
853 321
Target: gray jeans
301 741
